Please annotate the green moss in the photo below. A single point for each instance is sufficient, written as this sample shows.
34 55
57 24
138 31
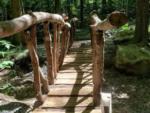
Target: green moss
133 58
124 35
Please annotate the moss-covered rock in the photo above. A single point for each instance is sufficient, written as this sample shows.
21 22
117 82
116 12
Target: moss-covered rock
133 58
123 36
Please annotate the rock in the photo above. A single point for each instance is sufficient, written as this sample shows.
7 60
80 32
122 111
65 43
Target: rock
110 50
123 36
133 59
14 107
10 105
24 91
5 99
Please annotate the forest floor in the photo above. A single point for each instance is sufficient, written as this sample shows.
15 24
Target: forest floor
130 93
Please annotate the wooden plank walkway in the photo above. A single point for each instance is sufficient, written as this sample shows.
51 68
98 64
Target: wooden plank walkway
72 92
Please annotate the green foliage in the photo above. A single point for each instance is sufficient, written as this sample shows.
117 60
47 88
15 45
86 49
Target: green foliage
3 3
5 45
7 89
6 48
74 10
124 34
133 58
6 64
125 27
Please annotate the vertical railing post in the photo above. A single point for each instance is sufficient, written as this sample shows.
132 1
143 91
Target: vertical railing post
33 36
58 45
34 42
64 44
55 44
97 46
48 44
35 65
114 20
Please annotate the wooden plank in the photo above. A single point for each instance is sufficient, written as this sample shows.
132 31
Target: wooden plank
81 50
74 75
73 81
63 102
79 55
76 60
76 71
76 110
76 68
76 64
71 90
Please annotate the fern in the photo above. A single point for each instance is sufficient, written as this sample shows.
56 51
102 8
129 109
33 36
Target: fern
6 64
5 45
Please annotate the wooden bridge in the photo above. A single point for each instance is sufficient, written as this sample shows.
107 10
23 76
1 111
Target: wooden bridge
74 80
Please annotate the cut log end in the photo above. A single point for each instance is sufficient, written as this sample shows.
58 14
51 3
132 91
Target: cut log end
114 20
117 18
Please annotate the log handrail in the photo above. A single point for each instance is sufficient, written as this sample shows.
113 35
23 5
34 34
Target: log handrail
8 28
114 20
55 51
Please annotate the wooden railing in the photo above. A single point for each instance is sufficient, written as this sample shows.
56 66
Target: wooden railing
114 20
55 51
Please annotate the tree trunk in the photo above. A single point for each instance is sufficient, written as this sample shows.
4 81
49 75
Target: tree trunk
57 6
104 4
141 30
16 11
95 5
81 12
68 8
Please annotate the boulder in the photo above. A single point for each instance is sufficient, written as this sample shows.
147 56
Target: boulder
10 105
133 59
123 36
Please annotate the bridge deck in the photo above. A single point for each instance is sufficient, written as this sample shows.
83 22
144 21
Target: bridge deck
72 92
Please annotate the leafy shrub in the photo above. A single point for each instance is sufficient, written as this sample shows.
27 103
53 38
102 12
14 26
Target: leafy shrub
7 89
5 45
6 64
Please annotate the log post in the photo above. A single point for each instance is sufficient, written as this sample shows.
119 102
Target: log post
114 20
58 45
55 44
48 44
73 22
64 43
33 36
35 65
98 45
34 42
68 35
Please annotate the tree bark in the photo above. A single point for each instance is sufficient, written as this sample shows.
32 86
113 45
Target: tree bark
16 11
57 6
81 12
142 17
104 6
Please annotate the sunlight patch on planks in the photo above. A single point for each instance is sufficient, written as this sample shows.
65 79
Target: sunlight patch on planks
73 81
65 102
71 90
75 110
74 75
